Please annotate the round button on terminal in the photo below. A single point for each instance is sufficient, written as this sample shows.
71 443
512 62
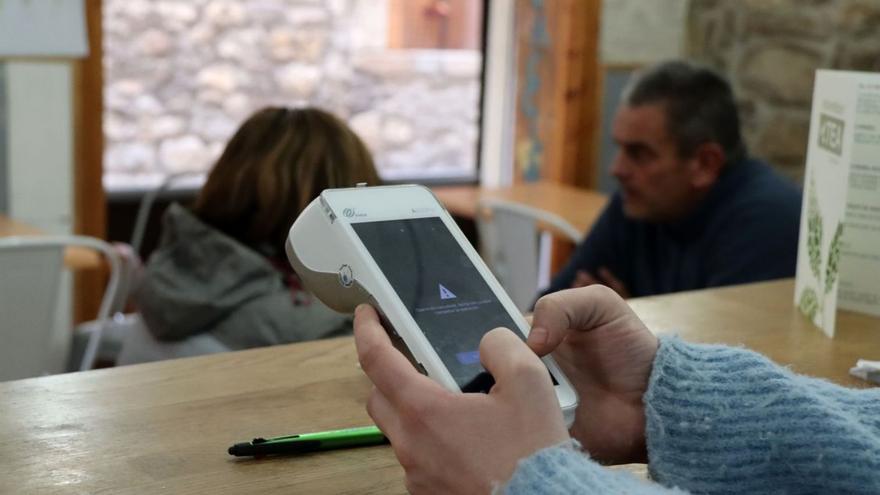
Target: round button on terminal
346 278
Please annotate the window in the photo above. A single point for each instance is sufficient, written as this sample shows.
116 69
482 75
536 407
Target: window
181 75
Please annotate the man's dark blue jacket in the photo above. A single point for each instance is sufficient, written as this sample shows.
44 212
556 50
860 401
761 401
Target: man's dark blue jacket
745 230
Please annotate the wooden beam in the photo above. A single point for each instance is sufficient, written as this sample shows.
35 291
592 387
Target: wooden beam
558 111
90 211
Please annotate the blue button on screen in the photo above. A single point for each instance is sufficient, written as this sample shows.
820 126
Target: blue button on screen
469 357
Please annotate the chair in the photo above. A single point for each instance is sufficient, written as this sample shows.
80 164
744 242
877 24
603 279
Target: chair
33 344
516 243
146 205
113 331
135 342
117 333
139 345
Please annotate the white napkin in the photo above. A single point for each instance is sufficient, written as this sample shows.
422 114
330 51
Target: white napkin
867 370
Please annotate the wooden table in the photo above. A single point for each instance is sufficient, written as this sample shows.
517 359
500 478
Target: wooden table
580 207
763 317
75 258
164 427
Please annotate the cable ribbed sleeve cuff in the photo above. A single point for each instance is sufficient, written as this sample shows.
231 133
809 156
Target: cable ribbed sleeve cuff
723 419
565 469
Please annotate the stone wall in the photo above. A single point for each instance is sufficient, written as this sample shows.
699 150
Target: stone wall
770 49
181 75
639 32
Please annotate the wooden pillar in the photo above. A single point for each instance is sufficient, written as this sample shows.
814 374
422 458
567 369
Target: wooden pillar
558 111
90 210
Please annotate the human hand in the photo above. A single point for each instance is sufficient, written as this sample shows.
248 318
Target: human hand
450 442
606 277
607 353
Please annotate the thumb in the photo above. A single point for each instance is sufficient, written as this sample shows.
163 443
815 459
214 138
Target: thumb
512 363
573 310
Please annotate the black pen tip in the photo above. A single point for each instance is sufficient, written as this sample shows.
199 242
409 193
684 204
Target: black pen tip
240 449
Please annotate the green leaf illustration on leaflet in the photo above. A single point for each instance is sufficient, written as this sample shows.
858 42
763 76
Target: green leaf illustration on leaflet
809 303
814 232
831 267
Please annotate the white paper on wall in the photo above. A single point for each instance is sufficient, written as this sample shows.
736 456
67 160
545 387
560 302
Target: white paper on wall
42 28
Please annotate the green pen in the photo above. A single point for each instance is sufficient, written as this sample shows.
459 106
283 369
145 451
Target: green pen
310 442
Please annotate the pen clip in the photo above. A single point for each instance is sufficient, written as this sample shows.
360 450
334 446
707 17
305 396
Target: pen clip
260 440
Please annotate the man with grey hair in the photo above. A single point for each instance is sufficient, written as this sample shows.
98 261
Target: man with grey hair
692 210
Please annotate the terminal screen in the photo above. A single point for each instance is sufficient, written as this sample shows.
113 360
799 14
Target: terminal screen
442 290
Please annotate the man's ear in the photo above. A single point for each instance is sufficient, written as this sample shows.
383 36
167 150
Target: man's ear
706 165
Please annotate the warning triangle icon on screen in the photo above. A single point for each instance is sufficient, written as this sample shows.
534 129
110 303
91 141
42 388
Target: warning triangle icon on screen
446 293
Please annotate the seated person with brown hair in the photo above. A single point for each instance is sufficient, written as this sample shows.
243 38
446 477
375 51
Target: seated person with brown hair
220 268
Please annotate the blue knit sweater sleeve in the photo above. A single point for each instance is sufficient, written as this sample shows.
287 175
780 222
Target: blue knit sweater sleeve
565 469
728 420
